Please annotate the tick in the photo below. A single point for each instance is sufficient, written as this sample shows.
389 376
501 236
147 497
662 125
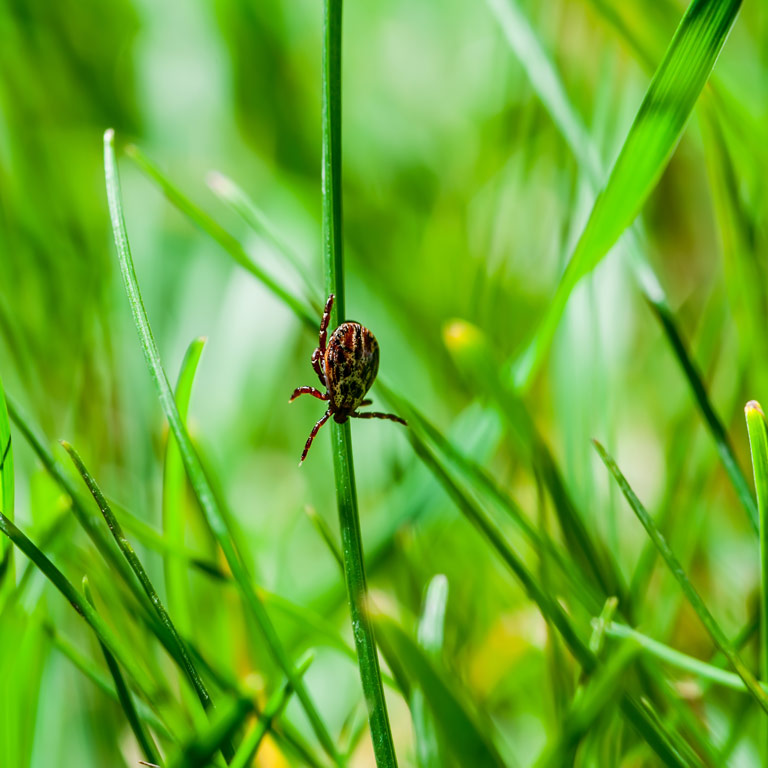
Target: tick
346 367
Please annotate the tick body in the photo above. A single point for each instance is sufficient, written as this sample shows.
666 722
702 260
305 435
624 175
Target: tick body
346 364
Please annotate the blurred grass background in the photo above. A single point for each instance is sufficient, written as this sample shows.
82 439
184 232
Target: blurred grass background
461 201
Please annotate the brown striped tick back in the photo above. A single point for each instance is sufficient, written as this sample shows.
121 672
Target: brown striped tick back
346 367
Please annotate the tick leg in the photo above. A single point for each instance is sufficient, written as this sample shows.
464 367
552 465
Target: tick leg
318 367
365 402
312 434
377 415
324 323
308 391
5 453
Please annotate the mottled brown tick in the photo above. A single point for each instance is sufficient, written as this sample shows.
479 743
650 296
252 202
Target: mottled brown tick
346 367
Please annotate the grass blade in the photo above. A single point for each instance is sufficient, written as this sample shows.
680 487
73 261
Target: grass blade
82 606
460 729
678 659
249 746
87 667
712 627
657 127
174 486
198 752
758 445
341 441
430 637
143 737
227 241
192 464
180 653
7 570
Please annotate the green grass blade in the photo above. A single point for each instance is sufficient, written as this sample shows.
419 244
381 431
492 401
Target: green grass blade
758 445
658 125
82 606
192 464
249 746
226 189
680 660
180 652
693 597
227 241
716 428
7 569
549 87
143 737
601 691
459 727
430 637
174 486
200 750
341 441
89 669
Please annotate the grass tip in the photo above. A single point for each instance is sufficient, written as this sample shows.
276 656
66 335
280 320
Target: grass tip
109 136
220 184
753 405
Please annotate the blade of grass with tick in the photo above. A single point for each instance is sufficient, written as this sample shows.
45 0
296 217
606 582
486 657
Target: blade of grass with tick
249 746
178 648
143 737
341 441
551 91
461 730
192 464
657 128
174 486
758 446
7 569
693 597
226 240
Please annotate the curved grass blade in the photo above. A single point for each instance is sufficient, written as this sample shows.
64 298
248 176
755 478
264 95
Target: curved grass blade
227 241
657 127
459 727
249 746
712 627
758 445
214 515
341 441
174 486
179 649
143 737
